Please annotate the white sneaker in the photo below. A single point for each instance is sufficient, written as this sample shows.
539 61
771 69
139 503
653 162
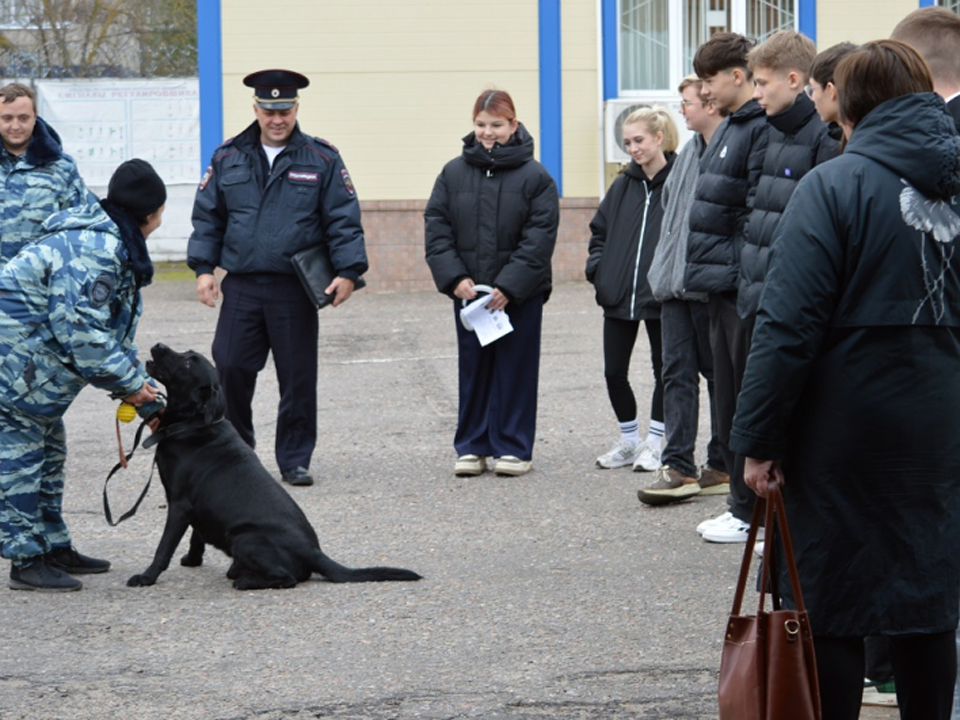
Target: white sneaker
758 549
620 455
511 465
719 520
648 459
467 465
732 530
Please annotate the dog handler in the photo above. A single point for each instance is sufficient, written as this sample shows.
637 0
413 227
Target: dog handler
69 307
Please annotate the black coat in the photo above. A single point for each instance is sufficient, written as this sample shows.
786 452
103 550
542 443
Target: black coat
248 218
492 217
624 234
798 141
853 378
729 172
953 107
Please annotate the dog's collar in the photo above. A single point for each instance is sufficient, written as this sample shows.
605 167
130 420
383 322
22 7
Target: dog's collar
177 429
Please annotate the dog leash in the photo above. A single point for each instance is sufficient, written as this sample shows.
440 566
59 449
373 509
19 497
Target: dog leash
122 465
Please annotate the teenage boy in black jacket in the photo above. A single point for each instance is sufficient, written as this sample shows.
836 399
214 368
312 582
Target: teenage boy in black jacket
729 172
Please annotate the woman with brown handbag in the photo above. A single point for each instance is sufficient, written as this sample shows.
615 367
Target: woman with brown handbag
852 387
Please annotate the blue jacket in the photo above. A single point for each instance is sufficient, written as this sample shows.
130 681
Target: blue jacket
247 219
69 306
33 186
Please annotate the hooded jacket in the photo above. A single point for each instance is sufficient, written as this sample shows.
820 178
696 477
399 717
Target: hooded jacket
35 185
69 307
853 378
493 217
729 172
249 218
624 234
798 141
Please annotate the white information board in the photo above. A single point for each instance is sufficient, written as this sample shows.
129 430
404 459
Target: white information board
104 122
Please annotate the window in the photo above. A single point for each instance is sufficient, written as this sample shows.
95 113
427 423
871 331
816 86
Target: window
952 5
658 42
15 13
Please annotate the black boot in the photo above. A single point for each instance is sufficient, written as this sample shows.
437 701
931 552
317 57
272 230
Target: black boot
40 576
69 560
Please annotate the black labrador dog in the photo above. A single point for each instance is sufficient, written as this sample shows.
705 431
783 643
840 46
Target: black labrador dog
216 484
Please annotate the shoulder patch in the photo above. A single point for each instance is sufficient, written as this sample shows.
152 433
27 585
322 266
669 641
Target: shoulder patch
347 182
102 290
327 143
207 174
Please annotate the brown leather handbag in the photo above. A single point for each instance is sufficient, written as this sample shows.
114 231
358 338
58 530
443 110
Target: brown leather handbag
768 670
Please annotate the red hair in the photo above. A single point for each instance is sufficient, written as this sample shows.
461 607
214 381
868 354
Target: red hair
495 102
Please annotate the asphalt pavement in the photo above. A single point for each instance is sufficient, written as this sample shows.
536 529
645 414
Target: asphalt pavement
554 595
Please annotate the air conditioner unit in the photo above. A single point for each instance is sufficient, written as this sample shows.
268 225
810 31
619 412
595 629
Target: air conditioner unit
616 111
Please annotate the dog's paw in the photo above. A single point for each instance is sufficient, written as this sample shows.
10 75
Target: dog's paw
191 560
141 581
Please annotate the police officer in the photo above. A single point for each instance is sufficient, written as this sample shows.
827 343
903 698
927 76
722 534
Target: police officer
37 178
69 306
270 192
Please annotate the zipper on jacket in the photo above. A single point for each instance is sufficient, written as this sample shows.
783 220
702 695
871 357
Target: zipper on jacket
636 267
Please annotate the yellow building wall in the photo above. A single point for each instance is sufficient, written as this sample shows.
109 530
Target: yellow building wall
392 83
581 98
859 20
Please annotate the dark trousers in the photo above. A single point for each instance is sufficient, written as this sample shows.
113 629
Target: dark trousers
685 328
730 338
257 318
619 339
498 386
924 669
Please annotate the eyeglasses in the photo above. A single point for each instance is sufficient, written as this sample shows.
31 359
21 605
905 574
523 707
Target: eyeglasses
808 89
688 103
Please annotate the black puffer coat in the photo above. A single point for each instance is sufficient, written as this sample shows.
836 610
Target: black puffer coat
729 172
853 378
492 217
623 237
798 141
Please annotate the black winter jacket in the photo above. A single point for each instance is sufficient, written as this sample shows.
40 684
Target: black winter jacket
624 234
729 172
798 141
853 378
492 217
247 219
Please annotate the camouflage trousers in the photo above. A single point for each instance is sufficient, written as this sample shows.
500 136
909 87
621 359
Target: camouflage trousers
32 457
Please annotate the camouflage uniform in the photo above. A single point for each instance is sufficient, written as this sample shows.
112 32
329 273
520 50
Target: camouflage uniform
33 186
69 307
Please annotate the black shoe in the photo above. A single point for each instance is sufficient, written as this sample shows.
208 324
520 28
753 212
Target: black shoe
69 560
297 476
42 577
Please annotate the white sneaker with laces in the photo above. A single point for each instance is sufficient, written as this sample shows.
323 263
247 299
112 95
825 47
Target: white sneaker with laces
648 458
719 520
620 455
732 530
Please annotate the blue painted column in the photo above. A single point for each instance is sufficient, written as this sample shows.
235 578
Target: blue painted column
551 95
927 3
609 32
210 62
807 18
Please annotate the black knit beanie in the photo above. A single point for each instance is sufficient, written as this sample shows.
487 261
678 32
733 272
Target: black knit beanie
136 187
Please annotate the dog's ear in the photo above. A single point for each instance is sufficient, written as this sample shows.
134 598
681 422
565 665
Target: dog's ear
212 403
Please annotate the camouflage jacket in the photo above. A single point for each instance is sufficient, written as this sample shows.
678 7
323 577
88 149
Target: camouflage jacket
33 186
69 307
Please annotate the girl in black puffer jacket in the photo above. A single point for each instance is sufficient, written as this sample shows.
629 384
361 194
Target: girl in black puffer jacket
624 235
492 220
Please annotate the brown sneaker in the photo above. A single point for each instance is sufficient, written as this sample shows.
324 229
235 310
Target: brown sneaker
669 486
713 482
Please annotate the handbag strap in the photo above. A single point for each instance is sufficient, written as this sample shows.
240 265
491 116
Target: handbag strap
774 514
784 536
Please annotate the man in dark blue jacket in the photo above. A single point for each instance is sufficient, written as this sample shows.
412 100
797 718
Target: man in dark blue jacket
729 172
268 193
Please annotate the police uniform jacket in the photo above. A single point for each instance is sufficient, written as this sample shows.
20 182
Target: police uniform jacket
853 377
729 172
34 186
69 306
492 217
798 141
624 234
248 219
